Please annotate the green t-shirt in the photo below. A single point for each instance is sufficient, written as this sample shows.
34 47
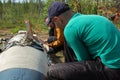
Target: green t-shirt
92 36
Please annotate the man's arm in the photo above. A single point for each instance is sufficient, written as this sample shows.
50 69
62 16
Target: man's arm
60 38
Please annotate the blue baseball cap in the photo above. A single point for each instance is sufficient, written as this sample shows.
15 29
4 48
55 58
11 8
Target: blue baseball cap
56 9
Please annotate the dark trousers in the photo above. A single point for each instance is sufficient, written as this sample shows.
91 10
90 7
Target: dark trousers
85 70
54 49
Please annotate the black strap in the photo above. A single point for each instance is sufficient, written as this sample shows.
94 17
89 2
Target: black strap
69 53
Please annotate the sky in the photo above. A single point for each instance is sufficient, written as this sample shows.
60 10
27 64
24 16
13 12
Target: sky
18 0
22 0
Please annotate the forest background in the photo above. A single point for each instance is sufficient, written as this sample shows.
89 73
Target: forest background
12 14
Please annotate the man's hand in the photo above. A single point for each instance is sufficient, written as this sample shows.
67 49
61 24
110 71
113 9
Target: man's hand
45 41
46 47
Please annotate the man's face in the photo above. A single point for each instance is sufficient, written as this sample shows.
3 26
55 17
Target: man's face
58 22
51 24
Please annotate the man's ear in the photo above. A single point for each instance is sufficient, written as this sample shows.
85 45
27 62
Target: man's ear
56 18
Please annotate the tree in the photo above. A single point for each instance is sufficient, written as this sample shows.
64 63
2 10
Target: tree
39 6
1 9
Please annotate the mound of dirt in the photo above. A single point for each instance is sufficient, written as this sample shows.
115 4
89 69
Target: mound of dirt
5 33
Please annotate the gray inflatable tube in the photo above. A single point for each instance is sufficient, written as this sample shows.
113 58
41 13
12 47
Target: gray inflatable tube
23 63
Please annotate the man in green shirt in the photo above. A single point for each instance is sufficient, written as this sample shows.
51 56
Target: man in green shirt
95 41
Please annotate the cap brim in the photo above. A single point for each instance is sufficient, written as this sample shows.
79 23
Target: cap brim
48 22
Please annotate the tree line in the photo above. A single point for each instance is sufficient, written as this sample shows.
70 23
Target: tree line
12 14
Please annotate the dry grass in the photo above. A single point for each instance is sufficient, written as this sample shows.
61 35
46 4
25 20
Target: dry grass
58 57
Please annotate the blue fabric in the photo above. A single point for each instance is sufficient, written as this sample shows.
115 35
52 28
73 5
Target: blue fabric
92 36
21 74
